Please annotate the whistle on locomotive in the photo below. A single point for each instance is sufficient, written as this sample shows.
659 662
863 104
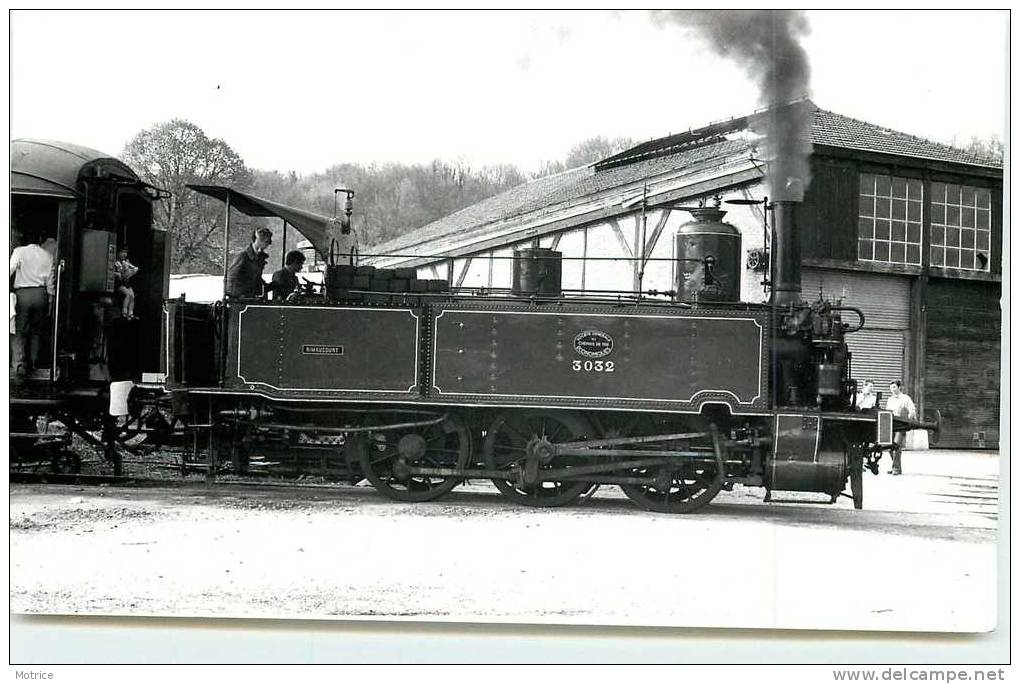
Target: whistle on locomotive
345 220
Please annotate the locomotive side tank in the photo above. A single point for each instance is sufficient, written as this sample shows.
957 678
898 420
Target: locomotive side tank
663 358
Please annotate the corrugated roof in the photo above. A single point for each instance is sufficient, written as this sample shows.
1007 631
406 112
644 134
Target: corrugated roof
715 145
546 196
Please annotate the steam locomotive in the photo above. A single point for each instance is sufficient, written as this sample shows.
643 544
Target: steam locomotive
417 386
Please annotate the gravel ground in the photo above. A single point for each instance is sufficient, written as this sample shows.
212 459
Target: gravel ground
921 557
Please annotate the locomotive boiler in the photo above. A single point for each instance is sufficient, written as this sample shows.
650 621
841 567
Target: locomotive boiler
417 386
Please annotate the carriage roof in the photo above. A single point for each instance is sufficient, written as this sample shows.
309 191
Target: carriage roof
50 168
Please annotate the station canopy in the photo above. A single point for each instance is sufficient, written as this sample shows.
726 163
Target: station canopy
318 229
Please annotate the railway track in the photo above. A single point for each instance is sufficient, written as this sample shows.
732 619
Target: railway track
98 480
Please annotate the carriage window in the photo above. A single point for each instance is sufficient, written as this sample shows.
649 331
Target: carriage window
961 228
889 219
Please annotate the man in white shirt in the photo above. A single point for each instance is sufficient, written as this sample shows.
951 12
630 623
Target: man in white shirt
866 397
901 406
31 271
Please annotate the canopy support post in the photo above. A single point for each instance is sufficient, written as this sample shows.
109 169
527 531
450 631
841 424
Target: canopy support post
226 242
283 251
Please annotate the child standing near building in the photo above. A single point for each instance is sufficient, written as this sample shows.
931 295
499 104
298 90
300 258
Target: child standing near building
125 271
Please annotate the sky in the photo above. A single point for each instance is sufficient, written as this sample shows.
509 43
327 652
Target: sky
300 91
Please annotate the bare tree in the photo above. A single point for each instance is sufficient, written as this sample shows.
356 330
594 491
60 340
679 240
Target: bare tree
988 148
171 155
586 152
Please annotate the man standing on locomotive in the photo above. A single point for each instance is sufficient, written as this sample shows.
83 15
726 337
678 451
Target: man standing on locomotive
244 277
901 406
32 272
285 281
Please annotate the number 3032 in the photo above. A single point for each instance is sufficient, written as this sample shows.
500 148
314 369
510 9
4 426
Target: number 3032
594 366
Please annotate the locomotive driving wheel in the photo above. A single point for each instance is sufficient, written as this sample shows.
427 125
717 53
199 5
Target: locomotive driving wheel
681 488
520 442
387 457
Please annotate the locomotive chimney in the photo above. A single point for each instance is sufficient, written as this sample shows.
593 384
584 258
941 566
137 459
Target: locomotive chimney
785 253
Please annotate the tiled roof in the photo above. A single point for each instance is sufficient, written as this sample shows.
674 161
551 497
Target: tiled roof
827 128
716 145
837 130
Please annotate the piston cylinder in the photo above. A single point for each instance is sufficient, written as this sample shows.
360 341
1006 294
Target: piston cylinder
708 258
538 271
803 459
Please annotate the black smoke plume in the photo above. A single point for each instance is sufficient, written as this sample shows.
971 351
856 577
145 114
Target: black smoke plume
766 44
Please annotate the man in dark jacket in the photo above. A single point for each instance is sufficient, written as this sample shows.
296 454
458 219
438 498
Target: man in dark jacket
285 280
244 277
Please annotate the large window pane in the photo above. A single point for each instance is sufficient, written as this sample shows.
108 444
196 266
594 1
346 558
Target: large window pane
961 227
899 231
889 224
897 253
882 230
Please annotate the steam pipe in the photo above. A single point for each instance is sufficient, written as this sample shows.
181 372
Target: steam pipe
226 242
